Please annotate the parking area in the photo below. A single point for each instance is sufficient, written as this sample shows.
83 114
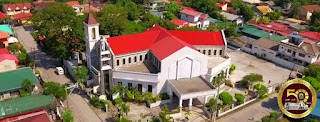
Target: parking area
247 64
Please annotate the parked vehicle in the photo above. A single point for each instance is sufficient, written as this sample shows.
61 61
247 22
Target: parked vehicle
59 70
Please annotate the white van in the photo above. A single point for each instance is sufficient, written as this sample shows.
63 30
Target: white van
59 70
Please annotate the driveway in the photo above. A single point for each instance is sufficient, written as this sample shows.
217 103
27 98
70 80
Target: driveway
247 64
45 64
256 110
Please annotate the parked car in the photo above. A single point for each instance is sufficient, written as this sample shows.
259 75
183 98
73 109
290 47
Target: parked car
59 70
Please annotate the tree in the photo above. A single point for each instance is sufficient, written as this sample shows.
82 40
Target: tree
27 86
275 15
164 113
231 31
134 10
61 27
98 103
310 120
218 16
173 8
13 48
80 73
205 6
252 78
240 98
313 81
263 19
226 98
235 4
262 90
247 12
169 15
315 21
67 116
167 24
119 89
232 68
55 89
113 20
295 9
23 57
313 70
220 79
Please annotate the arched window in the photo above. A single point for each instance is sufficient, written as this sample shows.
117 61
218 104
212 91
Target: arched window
93 33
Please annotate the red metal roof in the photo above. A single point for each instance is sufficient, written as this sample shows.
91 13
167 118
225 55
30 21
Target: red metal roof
91 20
163 42
2 16
4 51
22 16
275 27
38 5
310 34
9 57
191 11
179 22
4 35
311 8
35 116
72 3
17 5
203 16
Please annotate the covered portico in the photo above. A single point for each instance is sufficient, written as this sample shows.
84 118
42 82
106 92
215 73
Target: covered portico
190 88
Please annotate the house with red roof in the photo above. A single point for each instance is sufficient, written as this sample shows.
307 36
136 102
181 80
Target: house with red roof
223 6
311 35
16 8
194 17
7 60
157 60
4 37
275 27
76 6
180 23
22 17
34 116
307 10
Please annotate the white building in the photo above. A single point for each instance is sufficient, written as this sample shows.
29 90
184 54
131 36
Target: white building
233 18
197 18
180 63
13 9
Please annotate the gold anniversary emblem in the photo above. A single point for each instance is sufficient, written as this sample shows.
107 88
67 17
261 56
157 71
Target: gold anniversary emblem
297 98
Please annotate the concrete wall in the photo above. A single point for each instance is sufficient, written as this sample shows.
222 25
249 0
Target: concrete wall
130 56
210 50
308 58
7 65
264 52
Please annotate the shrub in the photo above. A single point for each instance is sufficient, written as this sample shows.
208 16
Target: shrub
262 90
129 95
232 68
13 48
138 97
240 98
55 89
98 103
149 97
212 102
37 72
118 101
226 98
274 114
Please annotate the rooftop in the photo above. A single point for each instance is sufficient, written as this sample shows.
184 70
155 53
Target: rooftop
17 5
22 16
310 34
24 104
275 27
191 12
73 3
311 8
4 35
35 116
12 80
264 9
183 85
2 16
6 28
252 30
267 43
144 67
179 22
215 61
230 17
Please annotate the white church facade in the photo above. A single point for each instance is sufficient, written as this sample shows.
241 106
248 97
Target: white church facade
180 63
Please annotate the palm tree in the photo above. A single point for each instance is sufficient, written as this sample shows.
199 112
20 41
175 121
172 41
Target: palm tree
217 82
124 109
188 113
119 89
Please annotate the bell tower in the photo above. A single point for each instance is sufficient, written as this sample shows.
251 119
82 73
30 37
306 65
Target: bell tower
92 36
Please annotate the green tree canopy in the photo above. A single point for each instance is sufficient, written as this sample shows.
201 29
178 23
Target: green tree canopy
247 12
252 78
313 70
134 10
226 98
67 116
27 86
80 73
55 89
315 21
173 8
113 20
313 81
275 15
206 6
61 27
262 90
240 98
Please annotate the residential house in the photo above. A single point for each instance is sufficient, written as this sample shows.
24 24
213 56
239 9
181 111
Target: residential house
155 5
39 5
263 9
7 60
34 116
13 9
223 6
294 24
265 48
194 17
10 83
311 35
158 61
4 37
76 6
275 27
22 17
32 103
233 18
180 23
307 10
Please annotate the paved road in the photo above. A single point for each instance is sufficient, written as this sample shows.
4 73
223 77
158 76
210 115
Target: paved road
46 65
256 110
